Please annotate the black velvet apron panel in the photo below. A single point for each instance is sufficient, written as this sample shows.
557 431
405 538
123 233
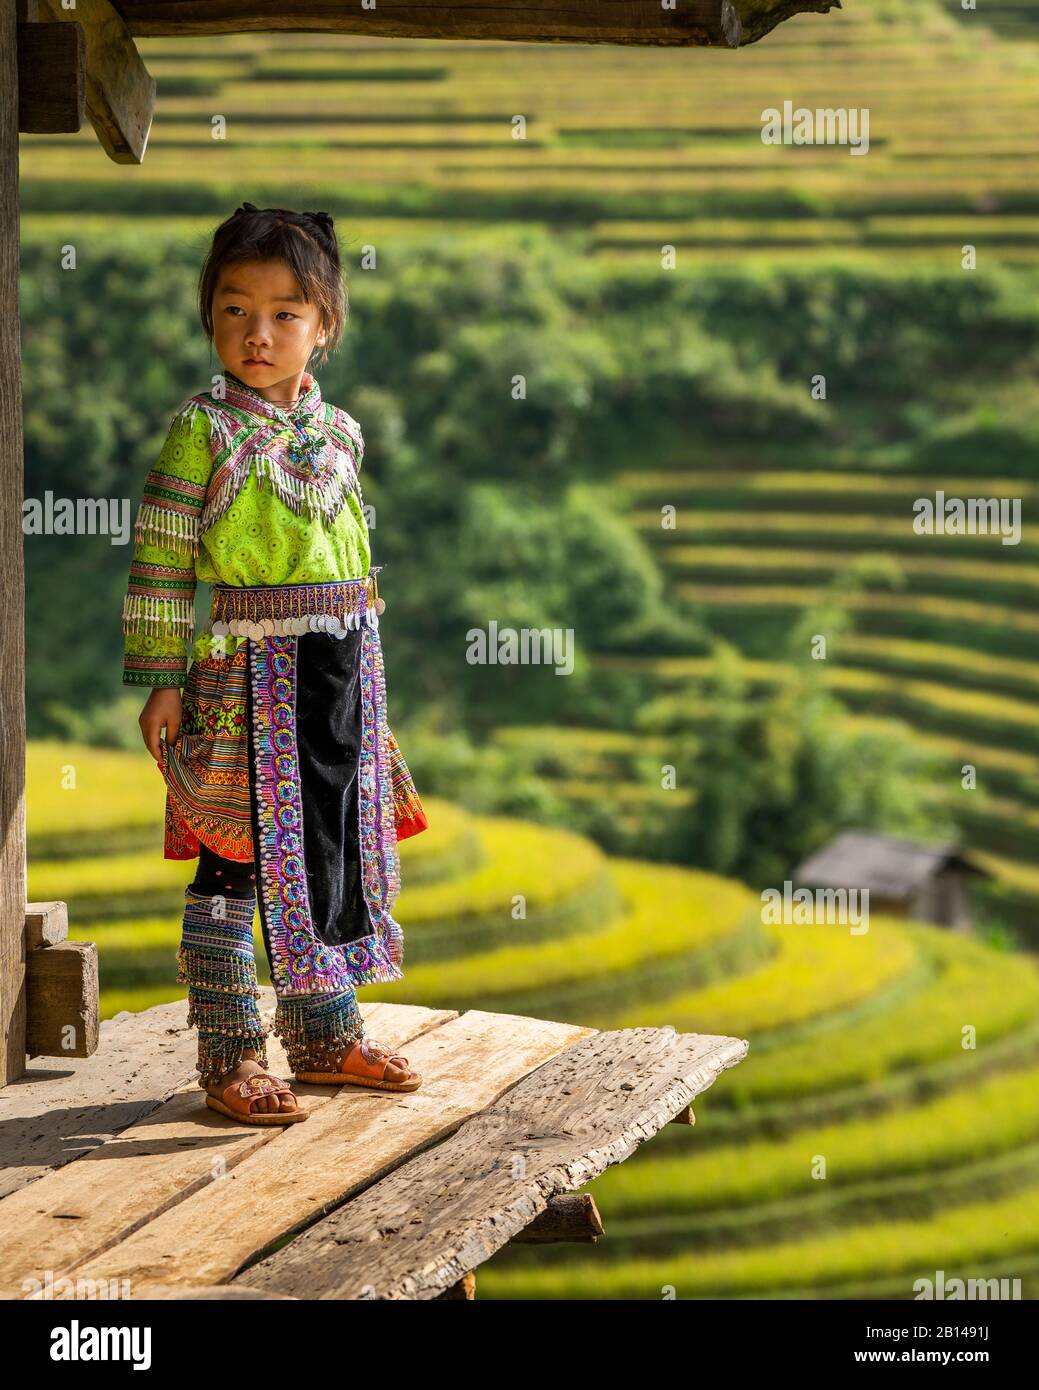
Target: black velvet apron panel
328 743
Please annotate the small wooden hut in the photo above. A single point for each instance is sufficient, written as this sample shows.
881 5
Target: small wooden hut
904 879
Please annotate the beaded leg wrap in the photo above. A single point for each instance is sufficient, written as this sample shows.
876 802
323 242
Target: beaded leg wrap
217 963
317 1030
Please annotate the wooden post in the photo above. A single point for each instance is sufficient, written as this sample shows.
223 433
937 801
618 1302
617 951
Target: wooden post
12 611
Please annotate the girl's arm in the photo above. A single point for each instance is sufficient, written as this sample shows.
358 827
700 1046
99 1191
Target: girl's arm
159 605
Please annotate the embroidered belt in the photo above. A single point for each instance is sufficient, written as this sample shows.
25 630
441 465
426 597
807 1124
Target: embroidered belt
285 610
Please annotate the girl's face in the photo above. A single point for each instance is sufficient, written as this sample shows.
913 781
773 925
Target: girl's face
263 329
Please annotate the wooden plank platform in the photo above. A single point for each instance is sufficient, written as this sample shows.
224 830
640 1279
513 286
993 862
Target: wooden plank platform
114 1174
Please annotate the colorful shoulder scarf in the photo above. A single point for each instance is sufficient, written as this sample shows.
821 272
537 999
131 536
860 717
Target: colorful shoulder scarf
311 455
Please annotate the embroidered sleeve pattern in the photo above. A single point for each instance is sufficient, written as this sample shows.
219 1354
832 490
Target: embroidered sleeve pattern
159 606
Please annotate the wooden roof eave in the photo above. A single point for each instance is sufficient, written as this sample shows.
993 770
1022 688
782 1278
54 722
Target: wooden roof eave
101 59
686 23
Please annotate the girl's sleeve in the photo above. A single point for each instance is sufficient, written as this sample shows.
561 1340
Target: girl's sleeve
159 606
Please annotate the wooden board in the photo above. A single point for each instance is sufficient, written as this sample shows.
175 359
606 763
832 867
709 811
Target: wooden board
59 1112
77 1212
52 65
419 1231
221 1292
350 1141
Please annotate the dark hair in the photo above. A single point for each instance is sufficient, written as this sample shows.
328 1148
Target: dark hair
305 240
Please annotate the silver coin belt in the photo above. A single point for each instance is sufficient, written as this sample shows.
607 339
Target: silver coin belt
285 610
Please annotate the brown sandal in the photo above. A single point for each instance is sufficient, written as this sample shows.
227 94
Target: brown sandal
365 1065
239 1096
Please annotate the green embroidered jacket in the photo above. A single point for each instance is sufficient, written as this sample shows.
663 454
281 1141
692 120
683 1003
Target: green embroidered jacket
266 523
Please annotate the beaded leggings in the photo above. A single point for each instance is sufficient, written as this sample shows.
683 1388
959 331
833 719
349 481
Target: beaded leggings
217 963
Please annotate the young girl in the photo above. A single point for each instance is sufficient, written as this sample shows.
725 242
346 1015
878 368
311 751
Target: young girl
282 776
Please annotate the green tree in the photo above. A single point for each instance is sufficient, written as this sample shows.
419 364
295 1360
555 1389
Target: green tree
776 773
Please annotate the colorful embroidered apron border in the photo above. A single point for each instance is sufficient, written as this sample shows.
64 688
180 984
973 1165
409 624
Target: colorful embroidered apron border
302 963
371 650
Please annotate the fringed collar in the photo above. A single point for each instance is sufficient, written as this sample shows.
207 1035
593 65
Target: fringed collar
310 454
239 393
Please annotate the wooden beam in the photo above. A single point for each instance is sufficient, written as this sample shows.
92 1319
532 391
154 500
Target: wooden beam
52 65
688 23
416 1232
62 1000
568 1216
45 924
120 92
12 613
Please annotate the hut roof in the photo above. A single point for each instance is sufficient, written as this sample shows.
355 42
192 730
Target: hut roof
888 867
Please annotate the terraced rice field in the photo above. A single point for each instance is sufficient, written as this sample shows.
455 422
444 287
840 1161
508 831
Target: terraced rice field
946 631
632 149
950 644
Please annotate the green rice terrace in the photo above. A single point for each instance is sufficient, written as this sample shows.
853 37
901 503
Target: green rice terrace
950 645
635 149
863 1144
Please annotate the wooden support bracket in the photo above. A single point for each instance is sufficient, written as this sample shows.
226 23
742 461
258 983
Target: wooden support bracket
120 92
568 1216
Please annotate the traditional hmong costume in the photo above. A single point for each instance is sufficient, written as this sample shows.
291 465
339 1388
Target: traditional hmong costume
285 781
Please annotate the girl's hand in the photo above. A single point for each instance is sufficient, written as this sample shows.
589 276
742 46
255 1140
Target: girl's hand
162 710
